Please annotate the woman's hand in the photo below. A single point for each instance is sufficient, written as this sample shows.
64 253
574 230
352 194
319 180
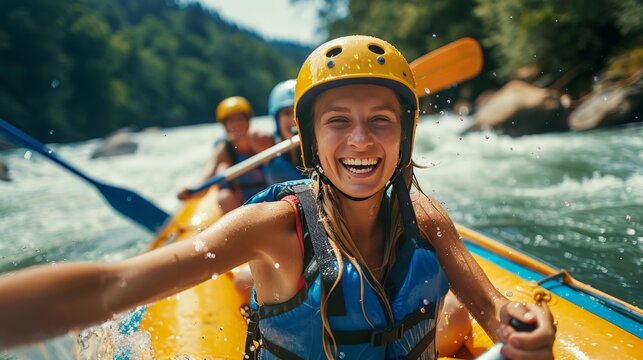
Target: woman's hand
535 344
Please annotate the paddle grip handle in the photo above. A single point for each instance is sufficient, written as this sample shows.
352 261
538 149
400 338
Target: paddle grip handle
493 353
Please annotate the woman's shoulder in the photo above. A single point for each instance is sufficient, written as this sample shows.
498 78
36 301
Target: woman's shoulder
265 213
432 217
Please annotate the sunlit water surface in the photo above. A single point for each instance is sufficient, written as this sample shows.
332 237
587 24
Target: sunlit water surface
574 200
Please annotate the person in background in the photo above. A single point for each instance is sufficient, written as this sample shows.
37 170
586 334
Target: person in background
240 143
280 106
354 262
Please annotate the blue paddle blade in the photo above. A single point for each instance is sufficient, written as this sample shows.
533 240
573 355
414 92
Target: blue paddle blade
126 202
133 206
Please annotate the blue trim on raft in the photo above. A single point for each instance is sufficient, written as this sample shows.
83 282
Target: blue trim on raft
563 290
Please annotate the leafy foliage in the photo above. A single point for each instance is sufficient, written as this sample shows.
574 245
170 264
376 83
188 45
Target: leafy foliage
554 37
81 68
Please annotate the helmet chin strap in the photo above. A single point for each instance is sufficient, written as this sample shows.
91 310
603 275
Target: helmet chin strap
401 192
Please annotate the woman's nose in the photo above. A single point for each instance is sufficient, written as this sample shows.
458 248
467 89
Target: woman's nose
360 136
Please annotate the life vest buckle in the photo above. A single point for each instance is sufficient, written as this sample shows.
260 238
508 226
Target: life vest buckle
390 334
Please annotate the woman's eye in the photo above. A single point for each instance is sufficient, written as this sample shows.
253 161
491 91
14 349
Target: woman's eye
337 120
381 120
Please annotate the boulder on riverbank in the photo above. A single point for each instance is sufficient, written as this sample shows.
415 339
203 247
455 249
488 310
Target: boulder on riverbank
614 106
519 108
119 143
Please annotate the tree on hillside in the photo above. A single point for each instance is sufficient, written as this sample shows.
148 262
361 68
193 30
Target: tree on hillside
82 68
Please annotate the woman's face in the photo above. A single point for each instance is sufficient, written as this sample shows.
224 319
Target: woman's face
236 126
357 133
286 118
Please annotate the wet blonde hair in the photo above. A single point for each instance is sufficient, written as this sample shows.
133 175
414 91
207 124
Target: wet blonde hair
345 248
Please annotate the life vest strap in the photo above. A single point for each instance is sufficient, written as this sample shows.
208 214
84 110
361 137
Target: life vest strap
279 351
323 252
387 335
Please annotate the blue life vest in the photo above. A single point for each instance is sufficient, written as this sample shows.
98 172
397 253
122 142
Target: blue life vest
249 183
281 169
415 287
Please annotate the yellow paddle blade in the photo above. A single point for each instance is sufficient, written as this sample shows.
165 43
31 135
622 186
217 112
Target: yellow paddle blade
451 64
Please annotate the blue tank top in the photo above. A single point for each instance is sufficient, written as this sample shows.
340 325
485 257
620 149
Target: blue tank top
415 287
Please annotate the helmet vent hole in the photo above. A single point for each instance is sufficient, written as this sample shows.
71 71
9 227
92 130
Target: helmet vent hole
334 52
376 49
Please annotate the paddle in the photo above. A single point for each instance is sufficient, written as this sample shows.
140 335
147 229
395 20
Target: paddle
453 63
122 200
238 169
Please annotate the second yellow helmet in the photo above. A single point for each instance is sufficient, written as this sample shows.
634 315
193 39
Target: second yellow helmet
231 105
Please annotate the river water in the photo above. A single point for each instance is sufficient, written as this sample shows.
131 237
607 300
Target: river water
574 200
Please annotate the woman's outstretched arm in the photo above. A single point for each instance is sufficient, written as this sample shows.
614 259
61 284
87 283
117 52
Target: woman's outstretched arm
47 300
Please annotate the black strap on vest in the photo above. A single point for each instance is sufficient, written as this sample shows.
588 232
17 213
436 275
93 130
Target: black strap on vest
324 255
387 335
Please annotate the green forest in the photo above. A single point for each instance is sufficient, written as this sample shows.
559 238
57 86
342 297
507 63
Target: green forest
77 69
546 39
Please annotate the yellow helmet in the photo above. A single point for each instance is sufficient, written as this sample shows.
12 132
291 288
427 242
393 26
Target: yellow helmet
355 59
231 105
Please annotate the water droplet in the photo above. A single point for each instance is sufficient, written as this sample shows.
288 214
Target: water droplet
441 112
215 276
425 302
630 231
628 218
434 35
225 339
199 245
493 73
27 155
277 265
423 310
427 91
51 132
439 234
448 101
509 293
221 328
342 355
55 83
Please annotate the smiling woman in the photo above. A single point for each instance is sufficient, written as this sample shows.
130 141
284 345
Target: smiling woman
342 267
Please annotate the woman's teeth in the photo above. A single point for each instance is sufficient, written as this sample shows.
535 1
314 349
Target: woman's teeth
360 166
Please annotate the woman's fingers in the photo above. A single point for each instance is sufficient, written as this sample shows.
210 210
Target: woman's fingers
535 344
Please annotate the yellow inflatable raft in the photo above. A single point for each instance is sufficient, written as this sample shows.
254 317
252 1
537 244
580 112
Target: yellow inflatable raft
205 322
